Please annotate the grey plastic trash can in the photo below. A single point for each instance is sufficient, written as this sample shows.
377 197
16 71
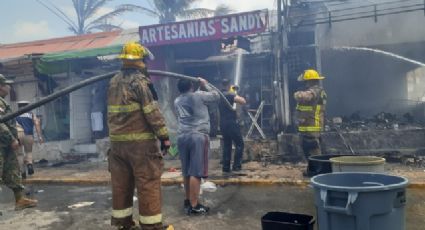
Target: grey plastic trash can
359 201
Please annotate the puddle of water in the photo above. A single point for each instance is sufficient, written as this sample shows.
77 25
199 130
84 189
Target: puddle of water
241 207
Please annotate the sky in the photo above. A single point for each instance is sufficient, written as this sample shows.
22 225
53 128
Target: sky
28 20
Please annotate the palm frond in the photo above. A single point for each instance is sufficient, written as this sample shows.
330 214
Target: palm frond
132 8
195 13
89 4
73 29
106 16
151 4
160 5
94 7
78 6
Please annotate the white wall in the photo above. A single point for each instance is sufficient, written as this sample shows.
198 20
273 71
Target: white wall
416 84
26 89
80 123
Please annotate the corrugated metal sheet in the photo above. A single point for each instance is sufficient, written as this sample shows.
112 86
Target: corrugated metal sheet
88 41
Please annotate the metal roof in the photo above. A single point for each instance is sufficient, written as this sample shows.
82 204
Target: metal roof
87 41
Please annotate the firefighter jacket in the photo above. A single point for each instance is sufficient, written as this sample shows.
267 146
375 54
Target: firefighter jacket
310 108
8 130
133 114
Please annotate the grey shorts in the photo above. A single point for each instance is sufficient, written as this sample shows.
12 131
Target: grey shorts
194 150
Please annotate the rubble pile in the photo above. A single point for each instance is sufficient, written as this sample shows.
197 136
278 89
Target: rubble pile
380 121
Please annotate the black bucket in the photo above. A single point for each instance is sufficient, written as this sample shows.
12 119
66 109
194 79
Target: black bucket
287 221
320 164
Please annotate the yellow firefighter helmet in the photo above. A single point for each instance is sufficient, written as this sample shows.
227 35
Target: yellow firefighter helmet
310 74
134 51
233 88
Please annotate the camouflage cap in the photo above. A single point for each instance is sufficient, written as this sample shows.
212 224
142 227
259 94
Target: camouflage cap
4 80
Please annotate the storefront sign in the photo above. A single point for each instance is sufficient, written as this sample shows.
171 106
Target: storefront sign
204 29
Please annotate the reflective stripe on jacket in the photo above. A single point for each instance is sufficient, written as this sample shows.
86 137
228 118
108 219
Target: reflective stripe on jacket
311 113
133 114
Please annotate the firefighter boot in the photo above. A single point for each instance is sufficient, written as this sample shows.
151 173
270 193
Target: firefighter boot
24 202
132 226
156 226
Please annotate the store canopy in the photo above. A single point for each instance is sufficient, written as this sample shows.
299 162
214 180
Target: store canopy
57 62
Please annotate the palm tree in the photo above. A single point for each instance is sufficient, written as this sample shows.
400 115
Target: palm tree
169 10
87 21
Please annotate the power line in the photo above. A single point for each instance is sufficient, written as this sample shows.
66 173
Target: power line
61 12
65 19
352 8
360 17
350 15
367 12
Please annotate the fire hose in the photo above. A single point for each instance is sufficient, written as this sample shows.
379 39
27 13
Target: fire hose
94 79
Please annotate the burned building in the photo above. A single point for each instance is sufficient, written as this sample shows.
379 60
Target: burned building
74 122
368 50
372 54
372 68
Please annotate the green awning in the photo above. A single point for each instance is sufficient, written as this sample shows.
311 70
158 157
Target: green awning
76 54
56 62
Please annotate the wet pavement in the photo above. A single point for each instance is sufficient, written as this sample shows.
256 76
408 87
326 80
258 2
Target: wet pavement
232 207
96 173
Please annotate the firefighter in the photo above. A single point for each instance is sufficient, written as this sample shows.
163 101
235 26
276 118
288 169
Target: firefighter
311 104
135 158
9 145
230 128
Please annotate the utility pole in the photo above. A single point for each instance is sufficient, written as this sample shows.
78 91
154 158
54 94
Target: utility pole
278 74
284 32
282 69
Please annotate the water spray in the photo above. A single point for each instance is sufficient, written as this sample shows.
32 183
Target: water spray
238 71
380 52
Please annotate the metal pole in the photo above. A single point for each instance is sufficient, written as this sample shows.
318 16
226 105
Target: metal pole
284 73
279 103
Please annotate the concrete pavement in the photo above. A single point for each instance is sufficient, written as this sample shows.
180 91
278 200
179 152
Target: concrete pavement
95 172
233 207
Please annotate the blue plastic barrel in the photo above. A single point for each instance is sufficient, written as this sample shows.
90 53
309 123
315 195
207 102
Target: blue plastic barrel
360 201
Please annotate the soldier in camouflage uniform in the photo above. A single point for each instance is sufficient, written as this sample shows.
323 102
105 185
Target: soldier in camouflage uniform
9 167
135 160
